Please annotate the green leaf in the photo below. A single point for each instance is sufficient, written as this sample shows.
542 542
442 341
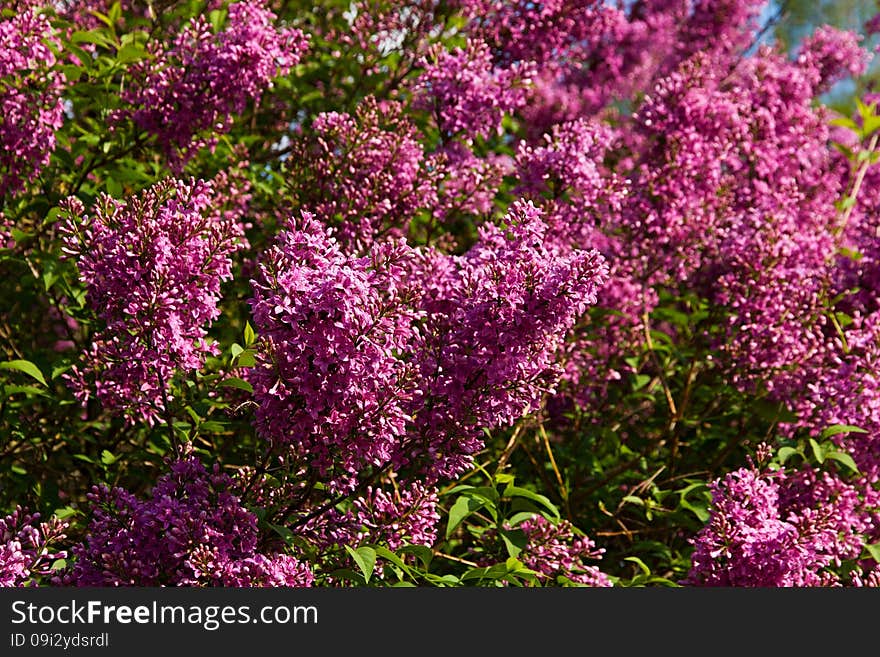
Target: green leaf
114 188
641 380
517 491
844 459
107 457
496 571
114 13
786 453
870 125
216 18
514 540
130 52
422 552
25 366
94 37
463 507
235 382
58 370
246 358
249 335
288 536
873 549
843 319
818 452
640 564
844 122
365 558
835 429
487 493
10 390
212 426
388 555
865 110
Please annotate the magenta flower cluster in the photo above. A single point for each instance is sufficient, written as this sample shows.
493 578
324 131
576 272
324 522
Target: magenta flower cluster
31 110
496 322
555 550
328 379
777 529
153 266
365 174
467 93
191 531
402 357
202 80
29 548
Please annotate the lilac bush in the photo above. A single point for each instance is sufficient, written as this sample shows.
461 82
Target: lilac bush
446 294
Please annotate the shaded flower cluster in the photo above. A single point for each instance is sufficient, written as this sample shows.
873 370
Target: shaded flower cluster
191 531
346 375
407 515
556 550
496 320
328 379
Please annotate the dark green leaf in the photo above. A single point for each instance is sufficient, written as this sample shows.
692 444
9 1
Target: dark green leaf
463 507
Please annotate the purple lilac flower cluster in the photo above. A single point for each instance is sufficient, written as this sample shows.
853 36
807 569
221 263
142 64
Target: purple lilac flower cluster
28 547
357 369
556 550
328 379
191 531
496 321
204 79
31 110
364 174
777 529
467 93
153 266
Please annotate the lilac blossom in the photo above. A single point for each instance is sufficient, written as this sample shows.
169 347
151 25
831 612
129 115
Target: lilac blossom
557 550
328 379
188 93
30 98
29 548
496 319
468 95
191 531
364 174
153 266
